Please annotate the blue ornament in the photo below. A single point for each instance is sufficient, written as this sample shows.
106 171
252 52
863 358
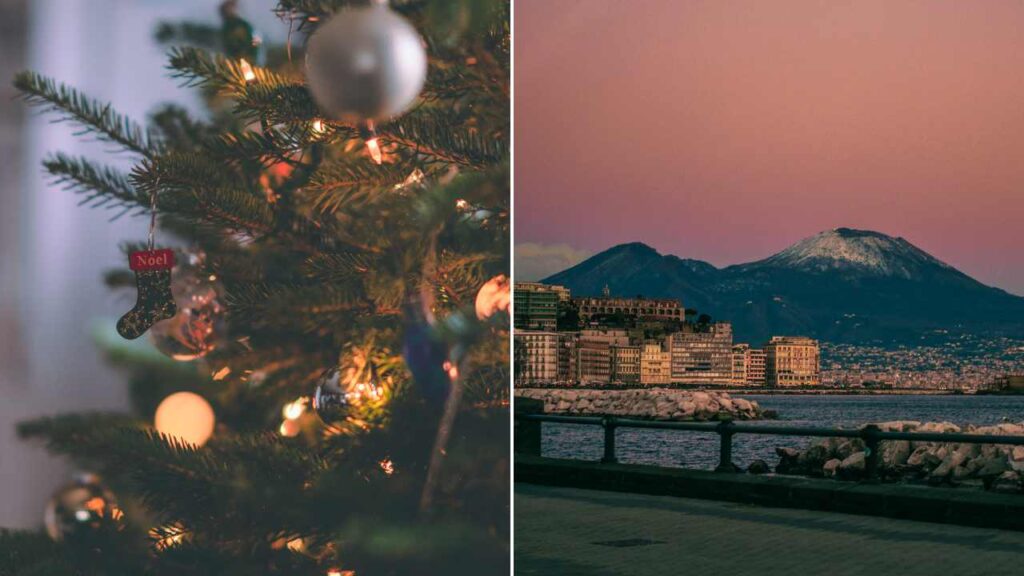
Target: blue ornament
425 353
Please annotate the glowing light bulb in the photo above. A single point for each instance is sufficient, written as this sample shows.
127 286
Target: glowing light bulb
414 177
247 72
373 147
293 410
368 132
290 428
451 369
387 466
318 127
186 416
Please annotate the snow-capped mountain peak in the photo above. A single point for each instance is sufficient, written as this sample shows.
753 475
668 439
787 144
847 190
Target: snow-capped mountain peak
861 250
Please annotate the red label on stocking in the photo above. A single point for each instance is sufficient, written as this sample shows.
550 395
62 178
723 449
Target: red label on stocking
152 259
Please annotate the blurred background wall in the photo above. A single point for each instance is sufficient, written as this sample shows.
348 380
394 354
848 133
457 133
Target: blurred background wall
52 251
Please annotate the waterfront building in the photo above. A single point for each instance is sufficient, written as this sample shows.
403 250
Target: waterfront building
702 356
625 363
568 358
638 308
536 355
739 364
756 361
594 351
535 305
748 365
792 361
655 365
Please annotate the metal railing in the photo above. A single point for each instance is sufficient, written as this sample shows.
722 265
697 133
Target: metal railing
871 435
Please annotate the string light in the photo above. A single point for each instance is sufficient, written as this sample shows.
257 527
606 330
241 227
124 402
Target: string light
318 127
373 147
247 72
451 369
289 428
387 466
369 135
186 416
414 177
293 410
340 572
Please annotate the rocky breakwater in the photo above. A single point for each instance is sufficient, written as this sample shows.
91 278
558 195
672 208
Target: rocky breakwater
647 403
992 466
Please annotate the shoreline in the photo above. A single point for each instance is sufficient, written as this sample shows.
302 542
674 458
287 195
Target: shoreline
789 392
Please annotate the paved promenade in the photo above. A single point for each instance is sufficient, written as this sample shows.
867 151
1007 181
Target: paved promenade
568 531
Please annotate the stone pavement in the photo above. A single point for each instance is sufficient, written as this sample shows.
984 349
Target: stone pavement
570 531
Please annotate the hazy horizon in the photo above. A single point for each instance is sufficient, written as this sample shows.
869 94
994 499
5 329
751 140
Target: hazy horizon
727 131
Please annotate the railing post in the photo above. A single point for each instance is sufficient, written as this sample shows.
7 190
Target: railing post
526 433
871 454
608 423
725 432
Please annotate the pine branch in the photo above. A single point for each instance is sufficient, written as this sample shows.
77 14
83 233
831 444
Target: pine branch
92 116
200 68
178 130
100 186
351 185
437 134
195 185
339 266
277 103
310 308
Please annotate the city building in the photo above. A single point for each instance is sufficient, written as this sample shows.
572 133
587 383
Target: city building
756 361
536 354
639 308
535 306
792 361
655 365
747 365
594 349
625 364
702 356
739 364
568 358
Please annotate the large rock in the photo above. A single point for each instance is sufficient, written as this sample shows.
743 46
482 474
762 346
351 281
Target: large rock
758 467
831 467
652 403
852 466
894 453
995 466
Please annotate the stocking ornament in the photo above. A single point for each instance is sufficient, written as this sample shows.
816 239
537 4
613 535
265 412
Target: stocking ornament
153 279
154 303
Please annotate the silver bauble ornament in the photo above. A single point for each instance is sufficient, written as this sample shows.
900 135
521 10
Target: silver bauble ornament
199 324
336 395
366 63
80 507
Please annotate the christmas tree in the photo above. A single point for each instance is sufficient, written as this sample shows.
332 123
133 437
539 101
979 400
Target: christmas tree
330 394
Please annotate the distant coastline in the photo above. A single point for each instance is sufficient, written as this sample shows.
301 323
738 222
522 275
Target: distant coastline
817 391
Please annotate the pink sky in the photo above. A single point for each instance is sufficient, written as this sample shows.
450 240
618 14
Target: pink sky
727 130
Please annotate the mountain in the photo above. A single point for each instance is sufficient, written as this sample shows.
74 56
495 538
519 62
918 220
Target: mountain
841 285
